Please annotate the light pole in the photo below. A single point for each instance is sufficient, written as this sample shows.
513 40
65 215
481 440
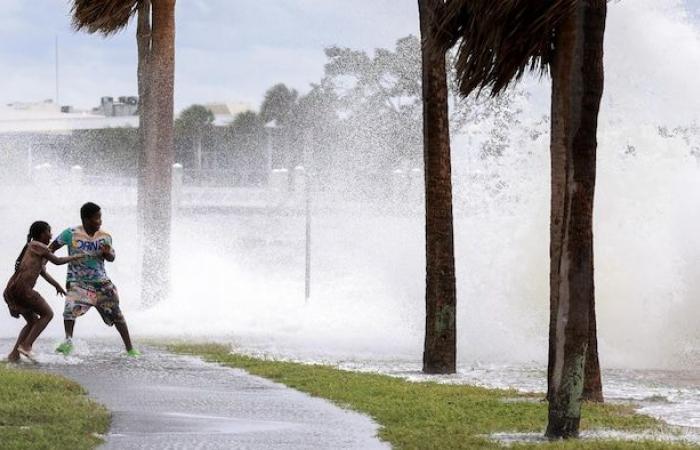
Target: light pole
198 155
269 129
307 194
30 160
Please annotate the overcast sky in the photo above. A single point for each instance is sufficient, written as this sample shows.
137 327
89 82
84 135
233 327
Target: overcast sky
226 50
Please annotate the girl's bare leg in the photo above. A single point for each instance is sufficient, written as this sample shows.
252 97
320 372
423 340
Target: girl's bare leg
40 307
30 318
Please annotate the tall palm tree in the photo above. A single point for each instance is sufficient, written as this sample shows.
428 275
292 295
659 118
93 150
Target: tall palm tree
156 50
143 45
499 42
439 355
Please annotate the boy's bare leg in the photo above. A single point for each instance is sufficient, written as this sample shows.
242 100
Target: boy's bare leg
124 333
45 313
68 325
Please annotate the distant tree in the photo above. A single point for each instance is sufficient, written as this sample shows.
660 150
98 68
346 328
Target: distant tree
191 126
364 118
195 119
318 127
379 98
247 133
278 104
108 147
248 123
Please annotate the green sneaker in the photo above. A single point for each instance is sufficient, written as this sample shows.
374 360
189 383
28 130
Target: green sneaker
133 353
65 347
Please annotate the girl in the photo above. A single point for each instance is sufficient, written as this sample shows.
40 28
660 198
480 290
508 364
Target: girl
20 296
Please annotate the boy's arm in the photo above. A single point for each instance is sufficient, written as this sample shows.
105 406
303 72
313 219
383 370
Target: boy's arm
107 251
59 289
61 240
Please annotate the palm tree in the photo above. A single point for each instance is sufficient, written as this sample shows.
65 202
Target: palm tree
439 354
143 44
193 123
499 42
156 48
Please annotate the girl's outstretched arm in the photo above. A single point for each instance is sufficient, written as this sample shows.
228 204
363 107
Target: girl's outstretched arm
59 289
44 252
61 260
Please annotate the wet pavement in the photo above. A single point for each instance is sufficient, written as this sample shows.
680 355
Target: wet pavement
165 401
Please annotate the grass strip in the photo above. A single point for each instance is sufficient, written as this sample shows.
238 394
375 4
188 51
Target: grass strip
429 415
43 411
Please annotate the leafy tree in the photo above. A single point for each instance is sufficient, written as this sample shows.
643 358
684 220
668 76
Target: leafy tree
319 131
278 104
247 131
364 118
95 150
190 128
379 97
194 120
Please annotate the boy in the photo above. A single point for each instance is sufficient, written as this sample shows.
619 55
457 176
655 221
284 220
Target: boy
87 282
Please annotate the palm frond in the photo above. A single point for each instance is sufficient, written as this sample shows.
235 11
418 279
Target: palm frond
499 40
102 16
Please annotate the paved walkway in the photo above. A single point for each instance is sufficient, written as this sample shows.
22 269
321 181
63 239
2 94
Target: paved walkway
165 401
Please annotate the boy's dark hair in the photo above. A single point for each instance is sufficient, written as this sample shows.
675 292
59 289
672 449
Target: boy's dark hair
88 210
35 230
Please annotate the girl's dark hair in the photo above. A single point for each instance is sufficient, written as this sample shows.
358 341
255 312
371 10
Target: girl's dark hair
35 230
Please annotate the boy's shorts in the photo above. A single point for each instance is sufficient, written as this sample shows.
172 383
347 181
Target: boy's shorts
103 296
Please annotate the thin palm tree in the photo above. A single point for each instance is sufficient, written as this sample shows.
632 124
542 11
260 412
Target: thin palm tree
439 355
498 43
143 45
156 63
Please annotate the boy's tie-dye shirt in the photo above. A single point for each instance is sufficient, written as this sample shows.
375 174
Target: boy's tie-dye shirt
92 268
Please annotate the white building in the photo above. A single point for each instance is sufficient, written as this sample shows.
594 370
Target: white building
225 113
46 117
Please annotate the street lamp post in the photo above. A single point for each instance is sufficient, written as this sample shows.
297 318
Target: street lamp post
269 128
307 194
198 155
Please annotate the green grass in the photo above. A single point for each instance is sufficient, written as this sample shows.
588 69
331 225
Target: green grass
42 411
435 416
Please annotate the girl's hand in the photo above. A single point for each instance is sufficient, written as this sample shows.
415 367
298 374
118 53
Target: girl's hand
79 256
60 291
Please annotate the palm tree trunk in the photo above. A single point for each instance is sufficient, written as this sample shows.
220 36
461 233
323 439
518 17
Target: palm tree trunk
439 354
143 44
577 86
158 153
593 385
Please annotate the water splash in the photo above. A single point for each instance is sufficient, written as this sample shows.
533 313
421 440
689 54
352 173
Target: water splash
241 276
